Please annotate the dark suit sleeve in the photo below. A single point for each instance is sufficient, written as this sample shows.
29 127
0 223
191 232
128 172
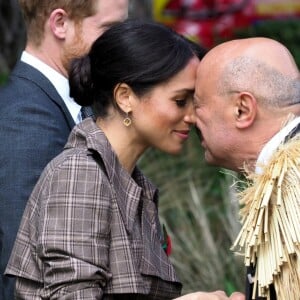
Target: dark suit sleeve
33 129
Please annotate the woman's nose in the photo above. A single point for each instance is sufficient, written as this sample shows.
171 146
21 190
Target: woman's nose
190 116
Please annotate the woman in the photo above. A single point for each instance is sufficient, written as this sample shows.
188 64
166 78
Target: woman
91 229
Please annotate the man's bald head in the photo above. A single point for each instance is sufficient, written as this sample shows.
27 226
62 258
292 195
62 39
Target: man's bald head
258 65
267 50
245 91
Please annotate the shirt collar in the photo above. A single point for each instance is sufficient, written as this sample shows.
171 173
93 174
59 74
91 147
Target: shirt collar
273 144
59 81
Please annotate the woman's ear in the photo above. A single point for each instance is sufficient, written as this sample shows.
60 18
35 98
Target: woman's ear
123 97
245 110
58 23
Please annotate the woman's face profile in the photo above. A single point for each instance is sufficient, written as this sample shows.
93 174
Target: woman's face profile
164 117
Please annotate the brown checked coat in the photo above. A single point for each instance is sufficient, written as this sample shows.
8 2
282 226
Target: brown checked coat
90 230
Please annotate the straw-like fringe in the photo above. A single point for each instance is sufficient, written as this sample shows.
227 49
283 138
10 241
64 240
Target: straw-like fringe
270 214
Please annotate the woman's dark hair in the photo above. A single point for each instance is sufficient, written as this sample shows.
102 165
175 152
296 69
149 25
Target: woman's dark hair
139 53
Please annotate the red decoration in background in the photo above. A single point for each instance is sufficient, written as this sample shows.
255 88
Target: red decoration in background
207 21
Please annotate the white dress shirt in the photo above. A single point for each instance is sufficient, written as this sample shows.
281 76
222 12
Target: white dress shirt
60 83
273 144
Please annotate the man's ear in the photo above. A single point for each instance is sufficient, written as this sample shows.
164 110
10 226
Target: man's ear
245 110
58 23
123 96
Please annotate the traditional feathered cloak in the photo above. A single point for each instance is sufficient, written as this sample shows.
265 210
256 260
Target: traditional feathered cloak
270 215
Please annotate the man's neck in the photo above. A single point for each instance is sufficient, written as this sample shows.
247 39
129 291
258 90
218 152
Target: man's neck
47 57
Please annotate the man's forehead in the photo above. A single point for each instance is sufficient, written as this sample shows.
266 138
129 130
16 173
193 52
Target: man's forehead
108 5
109 12
204 70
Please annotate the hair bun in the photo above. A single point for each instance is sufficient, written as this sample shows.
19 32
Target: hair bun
81 84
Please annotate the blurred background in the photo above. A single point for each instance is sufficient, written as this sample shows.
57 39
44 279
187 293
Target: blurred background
197 202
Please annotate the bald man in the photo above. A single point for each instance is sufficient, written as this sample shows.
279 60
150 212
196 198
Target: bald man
247 101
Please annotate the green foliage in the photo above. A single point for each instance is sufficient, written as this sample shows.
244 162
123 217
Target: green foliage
3 78
12 34
197 205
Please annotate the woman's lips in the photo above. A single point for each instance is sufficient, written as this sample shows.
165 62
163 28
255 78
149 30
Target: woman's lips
183 134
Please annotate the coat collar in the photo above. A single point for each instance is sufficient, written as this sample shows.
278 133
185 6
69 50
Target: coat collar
127 189
273 144
24 70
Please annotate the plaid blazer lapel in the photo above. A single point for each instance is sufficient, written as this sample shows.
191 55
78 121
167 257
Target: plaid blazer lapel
154 259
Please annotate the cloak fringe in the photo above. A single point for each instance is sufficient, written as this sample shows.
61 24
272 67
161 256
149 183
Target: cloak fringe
270 215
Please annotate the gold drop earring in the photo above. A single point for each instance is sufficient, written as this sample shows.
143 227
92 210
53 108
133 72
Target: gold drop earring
127 120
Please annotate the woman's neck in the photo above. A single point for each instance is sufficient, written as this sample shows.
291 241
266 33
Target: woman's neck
123 142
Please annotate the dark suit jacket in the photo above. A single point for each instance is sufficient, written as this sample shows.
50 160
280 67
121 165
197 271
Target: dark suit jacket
34 127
